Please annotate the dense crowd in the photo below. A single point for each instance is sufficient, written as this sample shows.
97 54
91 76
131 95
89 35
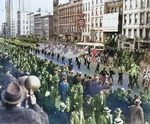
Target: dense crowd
65 97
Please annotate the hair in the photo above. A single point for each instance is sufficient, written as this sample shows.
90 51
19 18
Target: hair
64 78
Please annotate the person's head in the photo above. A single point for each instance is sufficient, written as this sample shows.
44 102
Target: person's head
62 106
13 95
118 111
118 121
64 79
137 102
101 92
21 82
104 68
106 111
129 91
88 98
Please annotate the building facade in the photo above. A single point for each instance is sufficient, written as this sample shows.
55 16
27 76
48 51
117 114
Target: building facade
37 23
67 21
86 8
136 22
47 27
31 23
3 29
22 23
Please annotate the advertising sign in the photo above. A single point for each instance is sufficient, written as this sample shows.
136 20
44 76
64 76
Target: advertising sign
81 20
110 22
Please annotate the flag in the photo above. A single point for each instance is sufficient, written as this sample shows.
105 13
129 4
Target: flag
93 52
58 48
66 50
75 51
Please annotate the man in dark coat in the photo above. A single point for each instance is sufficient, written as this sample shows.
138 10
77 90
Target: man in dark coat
12 112
136 113
99 104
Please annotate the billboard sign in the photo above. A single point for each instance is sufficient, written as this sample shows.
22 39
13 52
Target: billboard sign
110 22
81 20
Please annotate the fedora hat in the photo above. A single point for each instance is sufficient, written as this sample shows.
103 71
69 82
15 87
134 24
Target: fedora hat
118 121
118 110
137 101
13 94
106 109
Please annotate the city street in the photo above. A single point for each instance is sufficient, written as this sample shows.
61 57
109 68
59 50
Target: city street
91 72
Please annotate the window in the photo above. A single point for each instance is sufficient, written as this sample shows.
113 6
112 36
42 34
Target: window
100 23
86 7
148 3
116 10
96 23
141 33
92 2
136 18
92 12
136 3
142 3
23 21
96 1
109 10
148 17
131 2
92 23
135 32
96 11
148 34
124 32
141 18
100 10
100 36
130 19
129 33
125 19
112 10
126 4
89 6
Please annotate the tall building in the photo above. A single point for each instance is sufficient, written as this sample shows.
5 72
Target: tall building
55 18
136 24
47 27
11 9
23 23
68 21
31 23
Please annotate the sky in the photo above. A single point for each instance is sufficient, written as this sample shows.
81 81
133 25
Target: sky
45 5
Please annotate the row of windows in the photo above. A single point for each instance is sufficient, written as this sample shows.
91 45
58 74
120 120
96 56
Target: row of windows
97 2
134 33
86 6
130 4
134 17
115 9
97 11
72 28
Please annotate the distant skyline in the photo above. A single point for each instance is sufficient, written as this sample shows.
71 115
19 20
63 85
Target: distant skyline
45 5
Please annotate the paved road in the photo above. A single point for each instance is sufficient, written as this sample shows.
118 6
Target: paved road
91 72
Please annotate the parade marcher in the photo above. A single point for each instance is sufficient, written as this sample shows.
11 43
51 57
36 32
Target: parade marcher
12 112
121 69
62 58
111 73
64 89
58 56
88 62
52 55
97 67
85 59
99 104
118 121
103 73
70 78
119 115
79 62
136 113
106 118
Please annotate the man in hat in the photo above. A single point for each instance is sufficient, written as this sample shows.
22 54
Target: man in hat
56 79
77 116
118 115
64 89
88 109
106 118
70 78
118 121
129 97
99 104
12 112
136 113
